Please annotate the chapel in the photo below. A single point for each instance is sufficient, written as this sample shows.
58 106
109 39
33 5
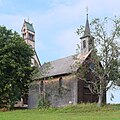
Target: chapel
56 81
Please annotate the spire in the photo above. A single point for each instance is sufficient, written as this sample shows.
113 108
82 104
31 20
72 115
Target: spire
87 28
87 42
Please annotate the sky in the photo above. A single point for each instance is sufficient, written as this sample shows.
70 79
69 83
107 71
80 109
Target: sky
55 22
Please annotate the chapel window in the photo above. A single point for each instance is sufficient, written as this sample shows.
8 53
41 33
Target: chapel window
84 44
30 46
24 35
41 86
30 36
92 66
60 84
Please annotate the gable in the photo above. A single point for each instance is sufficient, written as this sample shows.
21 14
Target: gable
28 26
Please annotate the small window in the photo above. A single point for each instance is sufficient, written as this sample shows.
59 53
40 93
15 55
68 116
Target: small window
60 82
92 66
30 46
60 85
30 36
41 86
24 35
84 44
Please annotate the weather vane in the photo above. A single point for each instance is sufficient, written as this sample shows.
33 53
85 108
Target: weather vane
87 10
28 18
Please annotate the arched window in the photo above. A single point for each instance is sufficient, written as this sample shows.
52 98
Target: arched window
41 86
30 46
84 44
30 36
24 36
92 66
60 84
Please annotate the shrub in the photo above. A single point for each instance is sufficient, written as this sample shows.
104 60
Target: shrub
44 103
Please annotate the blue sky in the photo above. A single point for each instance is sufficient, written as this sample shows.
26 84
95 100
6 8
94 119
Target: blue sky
55 21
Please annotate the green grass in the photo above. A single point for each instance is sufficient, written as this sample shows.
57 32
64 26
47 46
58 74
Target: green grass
74 112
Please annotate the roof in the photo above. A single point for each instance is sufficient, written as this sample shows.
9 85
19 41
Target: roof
60 67
29 27
39 64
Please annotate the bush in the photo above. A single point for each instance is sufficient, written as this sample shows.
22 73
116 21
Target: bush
44 103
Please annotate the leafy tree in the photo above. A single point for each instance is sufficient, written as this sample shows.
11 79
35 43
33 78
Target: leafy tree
15 66
106 54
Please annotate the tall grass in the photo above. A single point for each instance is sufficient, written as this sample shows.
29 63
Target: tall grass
82 108
73 112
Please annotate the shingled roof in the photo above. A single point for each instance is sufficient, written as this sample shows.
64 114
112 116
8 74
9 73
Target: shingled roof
60 67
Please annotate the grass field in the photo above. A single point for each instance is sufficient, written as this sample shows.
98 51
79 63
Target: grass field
74 112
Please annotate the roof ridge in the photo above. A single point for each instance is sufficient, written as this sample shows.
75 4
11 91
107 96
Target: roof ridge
61 58
29 23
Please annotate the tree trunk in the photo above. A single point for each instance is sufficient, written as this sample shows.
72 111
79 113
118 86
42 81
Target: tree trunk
100 99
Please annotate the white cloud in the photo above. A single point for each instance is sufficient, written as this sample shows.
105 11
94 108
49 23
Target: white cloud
67 41
55 26
65 17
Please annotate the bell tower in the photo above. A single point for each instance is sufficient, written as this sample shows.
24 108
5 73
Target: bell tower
28 35
87 40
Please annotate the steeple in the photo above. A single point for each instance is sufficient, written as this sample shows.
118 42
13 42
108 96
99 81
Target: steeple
28 34
87 28
87 42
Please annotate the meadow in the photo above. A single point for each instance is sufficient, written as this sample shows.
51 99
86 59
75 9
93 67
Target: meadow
73 112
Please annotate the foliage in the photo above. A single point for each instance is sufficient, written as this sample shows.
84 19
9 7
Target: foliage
105 56
44 103
43 71
15 66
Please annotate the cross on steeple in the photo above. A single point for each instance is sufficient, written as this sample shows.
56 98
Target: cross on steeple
87 10
28 19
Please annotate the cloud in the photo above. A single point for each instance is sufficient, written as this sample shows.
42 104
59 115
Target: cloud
102 7
63 14
60 22
55 25
67 41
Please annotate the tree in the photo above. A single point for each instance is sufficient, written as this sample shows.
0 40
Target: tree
15 66
106 54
